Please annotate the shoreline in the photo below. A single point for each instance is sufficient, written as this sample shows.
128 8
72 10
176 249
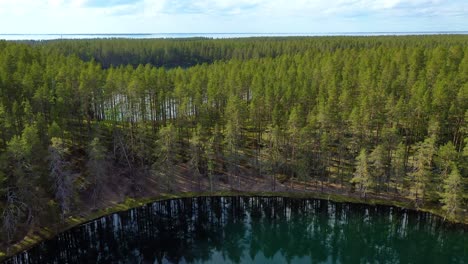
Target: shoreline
44 233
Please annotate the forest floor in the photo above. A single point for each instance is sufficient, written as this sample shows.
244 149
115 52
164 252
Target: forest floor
120 197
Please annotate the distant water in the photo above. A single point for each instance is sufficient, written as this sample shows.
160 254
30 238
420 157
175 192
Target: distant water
213 35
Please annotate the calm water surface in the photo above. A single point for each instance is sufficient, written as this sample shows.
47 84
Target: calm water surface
257 230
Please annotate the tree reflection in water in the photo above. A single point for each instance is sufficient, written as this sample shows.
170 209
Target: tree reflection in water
257 230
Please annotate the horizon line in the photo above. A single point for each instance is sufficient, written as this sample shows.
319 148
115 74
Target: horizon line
241 33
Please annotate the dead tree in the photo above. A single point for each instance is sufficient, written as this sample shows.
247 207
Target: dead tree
61 175
15 211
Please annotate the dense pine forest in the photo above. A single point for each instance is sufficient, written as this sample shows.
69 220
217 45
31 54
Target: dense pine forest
85 121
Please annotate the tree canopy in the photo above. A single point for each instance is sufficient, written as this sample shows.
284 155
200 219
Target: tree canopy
372 114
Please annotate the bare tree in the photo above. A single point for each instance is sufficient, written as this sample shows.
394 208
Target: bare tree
13 213
61 175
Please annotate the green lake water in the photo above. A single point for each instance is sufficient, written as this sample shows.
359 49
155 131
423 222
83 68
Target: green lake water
257 230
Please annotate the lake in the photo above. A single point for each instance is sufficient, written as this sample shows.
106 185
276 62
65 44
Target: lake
257 230
213 35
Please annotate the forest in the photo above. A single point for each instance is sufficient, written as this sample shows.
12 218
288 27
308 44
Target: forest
86 121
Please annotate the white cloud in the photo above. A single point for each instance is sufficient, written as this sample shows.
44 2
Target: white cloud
153 7
76 16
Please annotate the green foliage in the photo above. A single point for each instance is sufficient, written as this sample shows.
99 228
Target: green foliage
362 176
4 126
378 164
97 167
197 155
398 165
167 143
452 195
166 154
17 148
296 108
3 179
422 175
54 130
96 150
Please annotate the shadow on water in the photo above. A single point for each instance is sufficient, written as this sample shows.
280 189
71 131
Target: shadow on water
257 230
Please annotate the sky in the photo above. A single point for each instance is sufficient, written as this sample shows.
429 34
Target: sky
231 16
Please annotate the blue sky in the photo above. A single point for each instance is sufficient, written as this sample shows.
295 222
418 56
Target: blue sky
260 16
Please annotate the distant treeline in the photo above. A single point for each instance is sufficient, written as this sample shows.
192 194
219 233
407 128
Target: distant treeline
184 53
372 114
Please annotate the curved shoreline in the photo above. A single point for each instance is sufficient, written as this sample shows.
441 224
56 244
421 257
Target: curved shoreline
45 233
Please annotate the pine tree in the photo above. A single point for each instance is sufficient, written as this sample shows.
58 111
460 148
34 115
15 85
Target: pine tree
378 164
98 167
4 126
452 195
166 155
399 166
235 116
446 155
274 158
196 155
362 176
294 135
422 174
211 154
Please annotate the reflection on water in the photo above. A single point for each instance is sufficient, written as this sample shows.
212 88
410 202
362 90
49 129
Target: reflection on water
257 230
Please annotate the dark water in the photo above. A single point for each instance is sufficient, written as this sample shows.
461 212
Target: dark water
257 230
